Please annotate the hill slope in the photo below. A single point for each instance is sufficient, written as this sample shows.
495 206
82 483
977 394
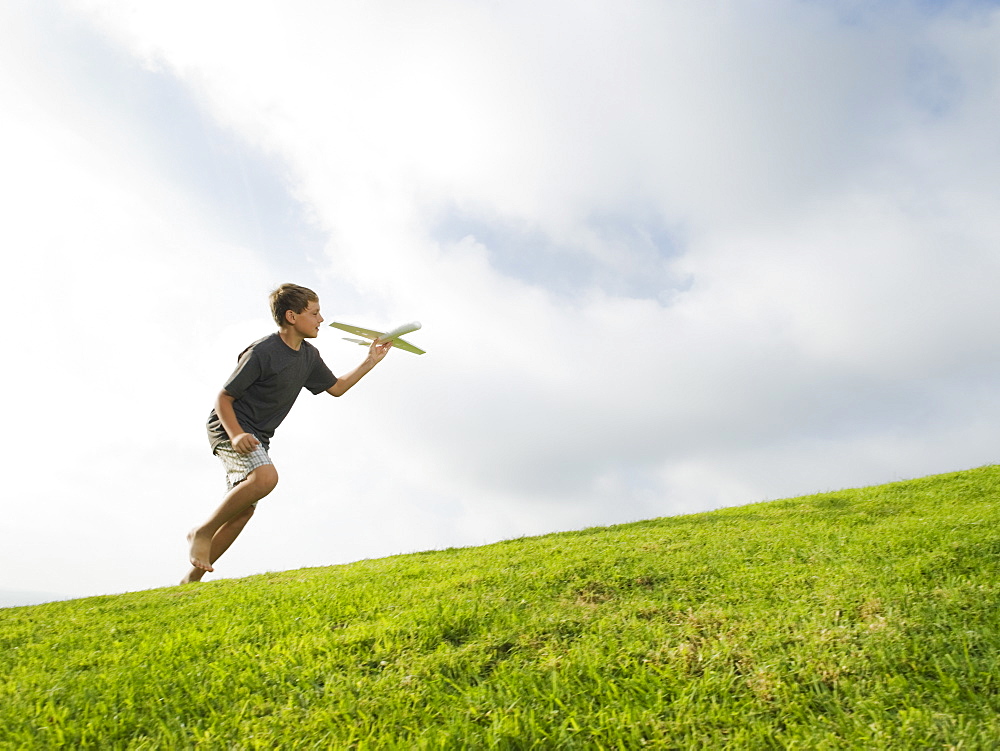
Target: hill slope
859 619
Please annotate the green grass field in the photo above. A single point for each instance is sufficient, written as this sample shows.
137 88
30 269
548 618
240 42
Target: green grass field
861 619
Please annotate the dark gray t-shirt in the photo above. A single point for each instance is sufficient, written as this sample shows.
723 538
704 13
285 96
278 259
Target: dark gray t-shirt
266 383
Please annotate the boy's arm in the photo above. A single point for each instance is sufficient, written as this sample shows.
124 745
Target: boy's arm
375 354
242 441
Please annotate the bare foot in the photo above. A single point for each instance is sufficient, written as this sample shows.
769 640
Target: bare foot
194 575
201 550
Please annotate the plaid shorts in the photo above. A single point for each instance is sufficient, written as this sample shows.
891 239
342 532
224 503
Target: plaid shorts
239 466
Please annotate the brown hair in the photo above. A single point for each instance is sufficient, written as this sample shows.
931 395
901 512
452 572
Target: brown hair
290 297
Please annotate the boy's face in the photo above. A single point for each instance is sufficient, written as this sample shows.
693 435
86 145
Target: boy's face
307 322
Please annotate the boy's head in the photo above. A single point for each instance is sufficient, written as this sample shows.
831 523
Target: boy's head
290 297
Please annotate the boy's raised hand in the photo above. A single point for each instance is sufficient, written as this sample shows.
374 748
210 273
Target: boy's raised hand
378 350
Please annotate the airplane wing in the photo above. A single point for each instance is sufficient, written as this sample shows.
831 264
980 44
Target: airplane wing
367 333
403 344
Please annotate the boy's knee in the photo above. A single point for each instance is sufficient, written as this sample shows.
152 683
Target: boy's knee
264 478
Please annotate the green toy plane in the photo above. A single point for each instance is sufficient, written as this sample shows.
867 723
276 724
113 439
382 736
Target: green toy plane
388 336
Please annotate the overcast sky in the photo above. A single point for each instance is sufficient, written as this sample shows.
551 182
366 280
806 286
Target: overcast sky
669 256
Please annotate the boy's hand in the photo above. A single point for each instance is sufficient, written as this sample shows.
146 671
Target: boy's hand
378 350
245 443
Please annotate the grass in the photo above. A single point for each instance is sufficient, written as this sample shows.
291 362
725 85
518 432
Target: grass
865 618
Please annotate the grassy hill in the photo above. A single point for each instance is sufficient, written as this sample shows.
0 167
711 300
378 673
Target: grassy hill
865 618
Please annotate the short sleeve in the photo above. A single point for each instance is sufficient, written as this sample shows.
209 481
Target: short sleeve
246 373
320 378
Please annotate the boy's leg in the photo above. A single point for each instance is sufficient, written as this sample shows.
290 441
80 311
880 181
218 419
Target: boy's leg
250 477
258 484
227 533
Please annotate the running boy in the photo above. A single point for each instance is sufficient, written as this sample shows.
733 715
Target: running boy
251 405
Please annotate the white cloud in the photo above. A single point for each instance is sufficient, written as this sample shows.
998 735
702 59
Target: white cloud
668 256
114 282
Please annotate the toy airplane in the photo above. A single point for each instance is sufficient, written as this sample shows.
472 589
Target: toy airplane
388 336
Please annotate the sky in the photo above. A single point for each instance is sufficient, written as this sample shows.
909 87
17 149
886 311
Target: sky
669 256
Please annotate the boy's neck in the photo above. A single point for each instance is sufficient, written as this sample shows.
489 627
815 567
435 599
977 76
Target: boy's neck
291 337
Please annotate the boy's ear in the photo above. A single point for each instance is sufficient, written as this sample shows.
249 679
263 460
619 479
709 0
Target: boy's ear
290 317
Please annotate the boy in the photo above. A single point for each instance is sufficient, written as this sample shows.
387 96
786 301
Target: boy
251 405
